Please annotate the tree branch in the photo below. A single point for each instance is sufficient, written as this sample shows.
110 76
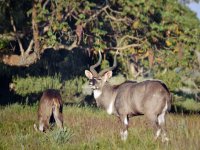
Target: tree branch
35 28
117 12
62 46
45 4
29 47
124 47
15 31
128 37
114 18
117 19
96 14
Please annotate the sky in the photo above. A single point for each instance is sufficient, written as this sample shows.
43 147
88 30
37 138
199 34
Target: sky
195 7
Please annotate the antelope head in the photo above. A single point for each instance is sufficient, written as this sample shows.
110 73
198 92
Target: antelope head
98 80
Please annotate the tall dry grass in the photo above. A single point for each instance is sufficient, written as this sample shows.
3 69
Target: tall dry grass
91 128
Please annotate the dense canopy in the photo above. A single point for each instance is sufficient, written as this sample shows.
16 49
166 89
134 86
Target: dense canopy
157 39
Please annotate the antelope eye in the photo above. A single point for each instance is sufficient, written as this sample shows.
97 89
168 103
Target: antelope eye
99 79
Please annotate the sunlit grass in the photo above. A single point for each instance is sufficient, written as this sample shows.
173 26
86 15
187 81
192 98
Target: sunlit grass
91 128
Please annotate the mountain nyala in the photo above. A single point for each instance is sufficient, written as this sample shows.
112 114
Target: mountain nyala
50 106
150 98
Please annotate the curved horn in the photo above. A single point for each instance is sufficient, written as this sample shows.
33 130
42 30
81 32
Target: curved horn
94 72
110 68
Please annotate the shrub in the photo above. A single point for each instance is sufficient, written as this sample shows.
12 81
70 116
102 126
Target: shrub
60 136
30 85
171 78
72 89
187 105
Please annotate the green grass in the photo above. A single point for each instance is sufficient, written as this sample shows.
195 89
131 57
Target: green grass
91 128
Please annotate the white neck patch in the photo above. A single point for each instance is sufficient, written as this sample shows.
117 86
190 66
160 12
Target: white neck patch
110 108
97 93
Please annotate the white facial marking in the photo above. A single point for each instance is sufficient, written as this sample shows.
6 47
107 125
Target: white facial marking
97 93
124 135
110 108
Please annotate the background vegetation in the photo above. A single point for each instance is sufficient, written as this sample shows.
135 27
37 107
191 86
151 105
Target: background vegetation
48 44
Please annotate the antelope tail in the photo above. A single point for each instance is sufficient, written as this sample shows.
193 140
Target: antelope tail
55 102
169 102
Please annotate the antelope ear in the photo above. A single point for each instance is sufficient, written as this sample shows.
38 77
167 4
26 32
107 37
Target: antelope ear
88 74
108 75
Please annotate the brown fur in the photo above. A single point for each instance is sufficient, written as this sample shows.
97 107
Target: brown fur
50 105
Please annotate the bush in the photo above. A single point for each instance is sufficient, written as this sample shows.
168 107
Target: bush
187 105
72 89
171 78
30 85
60 136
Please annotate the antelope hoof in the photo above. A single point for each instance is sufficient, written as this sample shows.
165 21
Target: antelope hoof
124 135
165 139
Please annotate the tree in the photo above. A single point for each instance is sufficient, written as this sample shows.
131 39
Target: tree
158 39
144 30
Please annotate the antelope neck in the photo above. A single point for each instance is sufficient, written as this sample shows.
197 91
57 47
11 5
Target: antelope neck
105 98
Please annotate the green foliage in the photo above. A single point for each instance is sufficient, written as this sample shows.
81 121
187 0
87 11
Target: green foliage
104 64
3 43
187 105
72 89
167 28
172 80
30 85
59 136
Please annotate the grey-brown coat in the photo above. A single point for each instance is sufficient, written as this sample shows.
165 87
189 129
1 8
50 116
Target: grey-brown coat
151 98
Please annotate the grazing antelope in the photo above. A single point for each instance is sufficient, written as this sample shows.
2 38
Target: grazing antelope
151 98
50 105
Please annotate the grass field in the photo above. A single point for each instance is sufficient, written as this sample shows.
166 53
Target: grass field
91 128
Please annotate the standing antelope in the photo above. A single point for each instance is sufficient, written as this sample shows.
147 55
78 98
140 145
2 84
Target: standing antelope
151 98
50 105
